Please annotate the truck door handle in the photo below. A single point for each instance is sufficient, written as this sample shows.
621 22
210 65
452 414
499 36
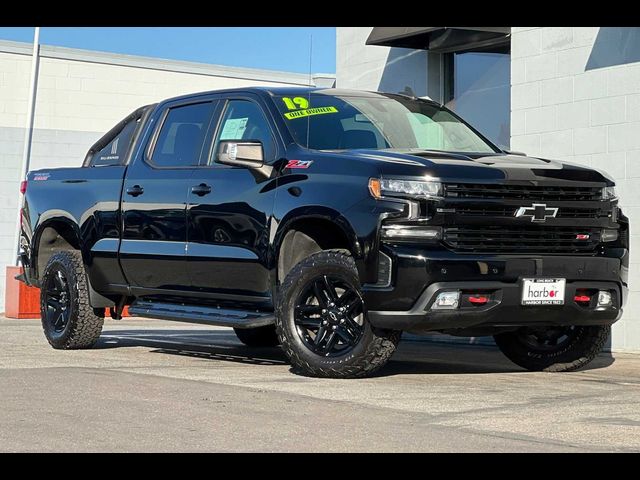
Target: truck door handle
135 190
201 190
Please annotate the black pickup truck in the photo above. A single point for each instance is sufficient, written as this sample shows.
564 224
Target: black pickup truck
327 221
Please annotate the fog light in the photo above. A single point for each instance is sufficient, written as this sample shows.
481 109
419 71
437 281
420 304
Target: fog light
609 235
604 298
446 301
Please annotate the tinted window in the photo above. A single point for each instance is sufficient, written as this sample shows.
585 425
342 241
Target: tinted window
115 152
180 140
481 92
244 120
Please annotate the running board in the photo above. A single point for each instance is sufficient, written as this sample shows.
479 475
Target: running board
199 314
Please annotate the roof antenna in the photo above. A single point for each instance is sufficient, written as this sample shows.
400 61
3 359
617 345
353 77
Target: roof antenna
309 91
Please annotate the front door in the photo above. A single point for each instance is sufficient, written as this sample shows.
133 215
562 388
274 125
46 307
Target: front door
229 211
154 199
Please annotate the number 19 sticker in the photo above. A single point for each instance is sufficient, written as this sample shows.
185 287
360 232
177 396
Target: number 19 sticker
299 107
296 103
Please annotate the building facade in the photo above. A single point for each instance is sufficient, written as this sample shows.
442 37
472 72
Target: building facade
80 96
569 93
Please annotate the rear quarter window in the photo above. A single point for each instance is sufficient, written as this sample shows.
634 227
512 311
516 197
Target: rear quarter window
115 152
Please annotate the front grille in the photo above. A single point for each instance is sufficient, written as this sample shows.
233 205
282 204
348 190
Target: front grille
505 211
521 239
521 192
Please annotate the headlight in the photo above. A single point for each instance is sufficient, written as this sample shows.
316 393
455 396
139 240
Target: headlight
417 188
609 193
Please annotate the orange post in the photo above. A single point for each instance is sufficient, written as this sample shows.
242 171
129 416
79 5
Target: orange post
21 301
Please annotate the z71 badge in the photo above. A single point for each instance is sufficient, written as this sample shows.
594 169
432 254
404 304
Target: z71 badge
299 164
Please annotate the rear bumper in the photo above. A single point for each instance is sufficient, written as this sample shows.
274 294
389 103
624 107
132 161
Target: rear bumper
418 275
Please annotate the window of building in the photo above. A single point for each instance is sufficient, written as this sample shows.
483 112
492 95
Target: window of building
477 87
244 120
180 140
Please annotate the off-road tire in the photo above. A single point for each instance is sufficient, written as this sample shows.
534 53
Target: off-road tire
84 325
258 337
375 346
582 348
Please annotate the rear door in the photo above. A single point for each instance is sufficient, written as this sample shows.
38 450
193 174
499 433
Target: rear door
230 208
105 167
155 194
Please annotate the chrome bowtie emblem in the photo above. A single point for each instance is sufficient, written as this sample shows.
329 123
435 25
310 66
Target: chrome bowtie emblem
538 212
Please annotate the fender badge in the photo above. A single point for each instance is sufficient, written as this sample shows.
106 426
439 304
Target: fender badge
298 164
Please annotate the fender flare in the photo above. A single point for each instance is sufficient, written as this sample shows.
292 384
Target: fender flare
51 217
57 217
321 213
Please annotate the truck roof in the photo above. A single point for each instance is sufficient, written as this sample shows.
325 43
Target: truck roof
292 91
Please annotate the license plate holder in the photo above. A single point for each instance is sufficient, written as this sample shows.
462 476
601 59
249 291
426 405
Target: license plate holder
543 291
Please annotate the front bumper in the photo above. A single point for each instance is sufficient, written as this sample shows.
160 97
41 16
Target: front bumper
420 274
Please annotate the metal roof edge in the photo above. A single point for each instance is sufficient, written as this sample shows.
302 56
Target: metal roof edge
154 63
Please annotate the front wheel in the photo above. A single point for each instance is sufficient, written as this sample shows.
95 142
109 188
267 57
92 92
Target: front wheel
553 349
322 324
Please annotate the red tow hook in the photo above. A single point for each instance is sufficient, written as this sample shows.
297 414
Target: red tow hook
582 299
479 300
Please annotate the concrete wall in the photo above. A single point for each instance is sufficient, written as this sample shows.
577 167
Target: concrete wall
80 96
397 70
575 95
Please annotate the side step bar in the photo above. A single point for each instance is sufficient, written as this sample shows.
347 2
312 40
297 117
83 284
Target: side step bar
199 314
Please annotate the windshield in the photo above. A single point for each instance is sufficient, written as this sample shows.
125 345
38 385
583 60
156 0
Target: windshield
385 121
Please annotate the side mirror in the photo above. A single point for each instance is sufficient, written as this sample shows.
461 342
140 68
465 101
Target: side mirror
241 153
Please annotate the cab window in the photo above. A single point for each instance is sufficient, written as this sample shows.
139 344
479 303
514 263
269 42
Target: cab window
244 120
181 136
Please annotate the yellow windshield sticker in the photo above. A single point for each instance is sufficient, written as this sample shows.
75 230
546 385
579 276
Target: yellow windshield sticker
310 111
295 103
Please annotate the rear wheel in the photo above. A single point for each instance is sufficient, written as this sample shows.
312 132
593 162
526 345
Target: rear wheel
68 320
553 349
322 321
258 337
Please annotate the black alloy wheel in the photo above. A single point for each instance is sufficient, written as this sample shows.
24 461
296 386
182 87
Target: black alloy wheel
321 320
554 348
329 316
68 319
547 339
57 302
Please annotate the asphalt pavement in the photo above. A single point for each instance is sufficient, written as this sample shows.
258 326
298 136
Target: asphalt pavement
152 385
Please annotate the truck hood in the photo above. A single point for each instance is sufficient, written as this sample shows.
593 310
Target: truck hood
497 167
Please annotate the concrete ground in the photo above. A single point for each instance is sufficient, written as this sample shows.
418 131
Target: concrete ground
161 386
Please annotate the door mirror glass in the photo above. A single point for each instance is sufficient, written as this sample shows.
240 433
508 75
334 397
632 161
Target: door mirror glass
241 154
